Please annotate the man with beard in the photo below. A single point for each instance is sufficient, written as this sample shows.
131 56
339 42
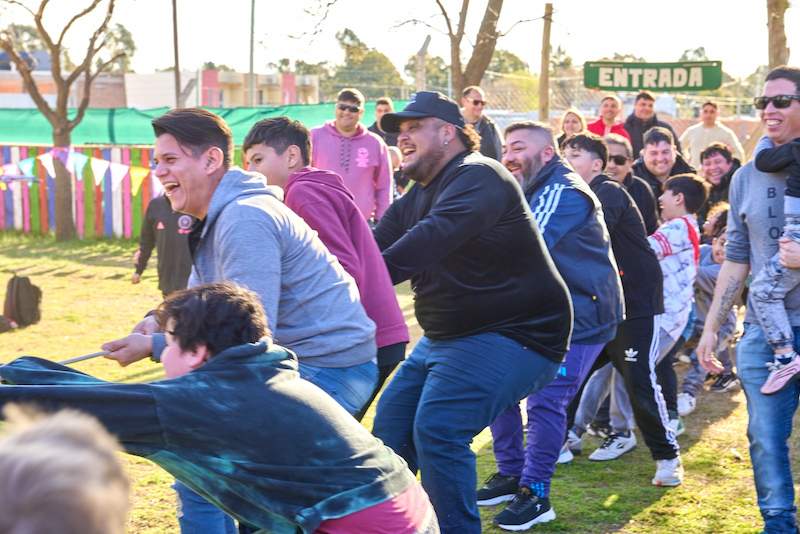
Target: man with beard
495 330
660 159
718 166
642 119
571 221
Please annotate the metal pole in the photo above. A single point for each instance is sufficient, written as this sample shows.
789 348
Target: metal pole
175 48
252 40
544 75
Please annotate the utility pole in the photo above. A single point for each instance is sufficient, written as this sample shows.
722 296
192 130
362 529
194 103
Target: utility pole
544 74
421 61
778 51
252 79
175 49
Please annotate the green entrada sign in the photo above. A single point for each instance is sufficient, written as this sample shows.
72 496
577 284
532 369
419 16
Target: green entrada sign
623 76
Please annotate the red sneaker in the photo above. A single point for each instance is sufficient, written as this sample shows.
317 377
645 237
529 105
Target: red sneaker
780 376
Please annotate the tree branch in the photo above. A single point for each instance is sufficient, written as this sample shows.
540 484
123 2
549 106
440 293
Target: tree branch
446 18
462 19
20 4
91 50
24 70
503 34
87 88
419 21
75 18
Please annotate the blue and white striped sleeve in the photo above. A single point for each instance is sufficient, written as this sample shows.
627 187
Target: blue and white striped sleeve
557 210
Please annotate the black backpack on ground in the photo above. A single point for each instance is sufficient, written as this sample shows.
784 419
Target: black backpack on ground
23 301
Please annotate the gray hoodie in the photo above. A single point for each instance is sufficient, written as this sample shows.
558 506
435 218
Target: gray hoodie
250 237
755 222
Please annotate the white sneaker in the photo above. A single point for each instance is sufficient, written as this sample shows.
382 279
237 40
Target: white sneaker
565 456
677 427
686 404
574 442
614 446
668 472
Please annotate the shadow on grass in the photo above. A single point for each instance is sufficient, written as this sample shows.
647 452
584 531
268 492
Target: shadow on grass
104 253
594 497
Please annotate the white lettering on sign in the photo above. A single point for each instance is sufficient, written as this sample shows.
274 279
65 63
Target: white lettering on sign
605 76
649 78
635 74
664 77
679 77
695 77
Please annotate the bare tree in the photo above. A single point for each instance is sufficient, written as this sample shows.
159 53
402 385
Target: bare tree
778 51
58 116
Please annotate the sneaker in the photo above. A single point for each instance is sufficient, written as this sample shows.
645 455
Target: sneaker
780 375
686 403
497 489
668 472
601 431
565 456
677 427
574 442
725 383
614 446
525 511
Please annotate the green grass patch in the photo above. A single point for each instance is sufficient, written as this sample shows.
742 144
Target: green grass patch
88 299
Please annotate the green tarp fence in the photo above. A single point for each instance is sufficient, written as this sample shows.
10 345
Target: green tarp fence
125 126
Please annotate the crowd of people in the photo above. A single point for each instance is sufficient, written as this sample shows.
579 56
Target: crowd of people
569 267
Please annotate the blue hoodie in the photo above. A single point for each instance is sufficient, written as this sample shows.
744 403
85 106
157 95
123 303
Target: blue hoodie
250 237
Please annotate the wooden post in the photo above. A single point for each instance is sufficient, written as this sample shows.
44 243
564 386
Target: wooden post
420 78
544 74
778 51
175 47
252 79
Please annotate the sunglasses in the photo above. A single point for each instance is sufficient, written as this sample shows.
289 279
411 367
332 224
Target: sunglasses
478 102
618 160
779 101
348 107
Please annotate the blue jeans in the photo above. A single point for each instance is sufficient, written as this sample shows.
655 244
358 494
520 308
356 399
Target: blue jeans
441 397
351 387
769 426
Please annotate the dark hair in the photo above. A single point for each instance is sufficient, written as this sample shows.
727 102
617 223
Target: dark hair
717 148
219 316
645 95
350 94
657 134
784 72
710 103
545 130
198 130
470 137
694 190
591 143
720 223
467 90
280 133
617 139
385 101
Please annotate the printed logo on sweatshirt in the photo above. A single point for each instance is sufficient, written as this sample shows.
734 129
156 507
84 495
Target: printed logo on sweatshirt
184 224
630 355
362 157
160 225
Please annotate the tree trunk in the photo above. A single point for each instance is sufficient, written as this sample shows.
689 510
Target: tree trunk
65 225
484 45
778 51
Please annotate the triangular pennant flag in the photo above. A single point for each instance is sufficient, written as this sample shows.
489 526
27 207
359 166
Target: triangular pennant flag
26 166
47 162
138 174
10 169
99 168
118 172
156 186
3 186
79 162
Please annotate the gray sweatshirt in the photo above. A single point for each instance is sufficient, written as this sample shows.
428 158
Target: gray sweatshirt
250 237
755 222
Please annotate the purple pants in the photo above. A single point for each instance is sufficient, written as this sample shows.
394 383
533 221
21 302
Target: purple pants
547 420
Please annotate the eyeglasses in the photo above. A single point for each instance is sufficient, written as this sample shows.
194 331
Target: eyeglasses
779 101
478 102
348 107
618 160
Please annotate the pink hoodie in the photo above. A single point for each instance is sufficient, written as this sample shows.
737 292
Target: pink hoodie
361 160
322 200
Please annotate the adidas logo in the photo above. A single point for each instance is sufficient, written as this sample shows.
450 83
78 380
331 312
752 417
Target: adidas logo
631 355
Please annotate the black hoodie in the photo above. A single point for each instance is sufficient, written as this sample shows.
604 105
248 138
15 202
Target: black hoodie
679 167
636 127
718 193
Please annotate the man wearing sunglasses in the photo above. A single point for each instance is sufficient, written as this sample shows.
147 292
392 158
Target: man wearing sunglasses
473 105
755 225
345 147
620 167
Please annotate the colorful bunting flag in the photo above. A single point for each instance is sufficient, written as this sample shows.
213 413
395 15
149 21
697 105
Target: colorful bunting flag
99 168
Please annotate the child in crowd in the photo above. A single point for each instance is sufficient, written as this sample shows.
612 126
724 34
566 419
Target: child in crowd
773 282
60 473
280 149
234 422
711 258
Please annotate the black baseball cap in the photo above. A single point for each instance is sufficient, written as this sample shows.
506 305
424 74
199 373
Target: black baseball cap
424 104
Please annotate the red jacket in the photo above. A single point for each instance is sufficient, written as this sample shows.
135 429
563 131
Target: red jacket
598 127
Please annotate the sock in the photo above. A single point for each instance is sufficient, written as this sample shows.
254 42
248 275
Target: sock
540 489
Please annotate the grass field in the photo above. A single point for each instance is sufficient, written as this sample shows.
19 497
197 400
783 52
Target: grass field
88 299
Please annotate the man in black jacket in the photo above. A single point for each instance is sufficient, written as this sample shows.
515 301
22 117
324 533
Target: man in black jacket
383 105
473 105
660 159
642 119
718 165
635 349
168 231
496 330
620 165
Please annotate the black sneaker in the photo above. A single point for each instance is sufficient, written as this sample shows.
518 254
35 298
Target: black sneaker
725 383
525 511
497 489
